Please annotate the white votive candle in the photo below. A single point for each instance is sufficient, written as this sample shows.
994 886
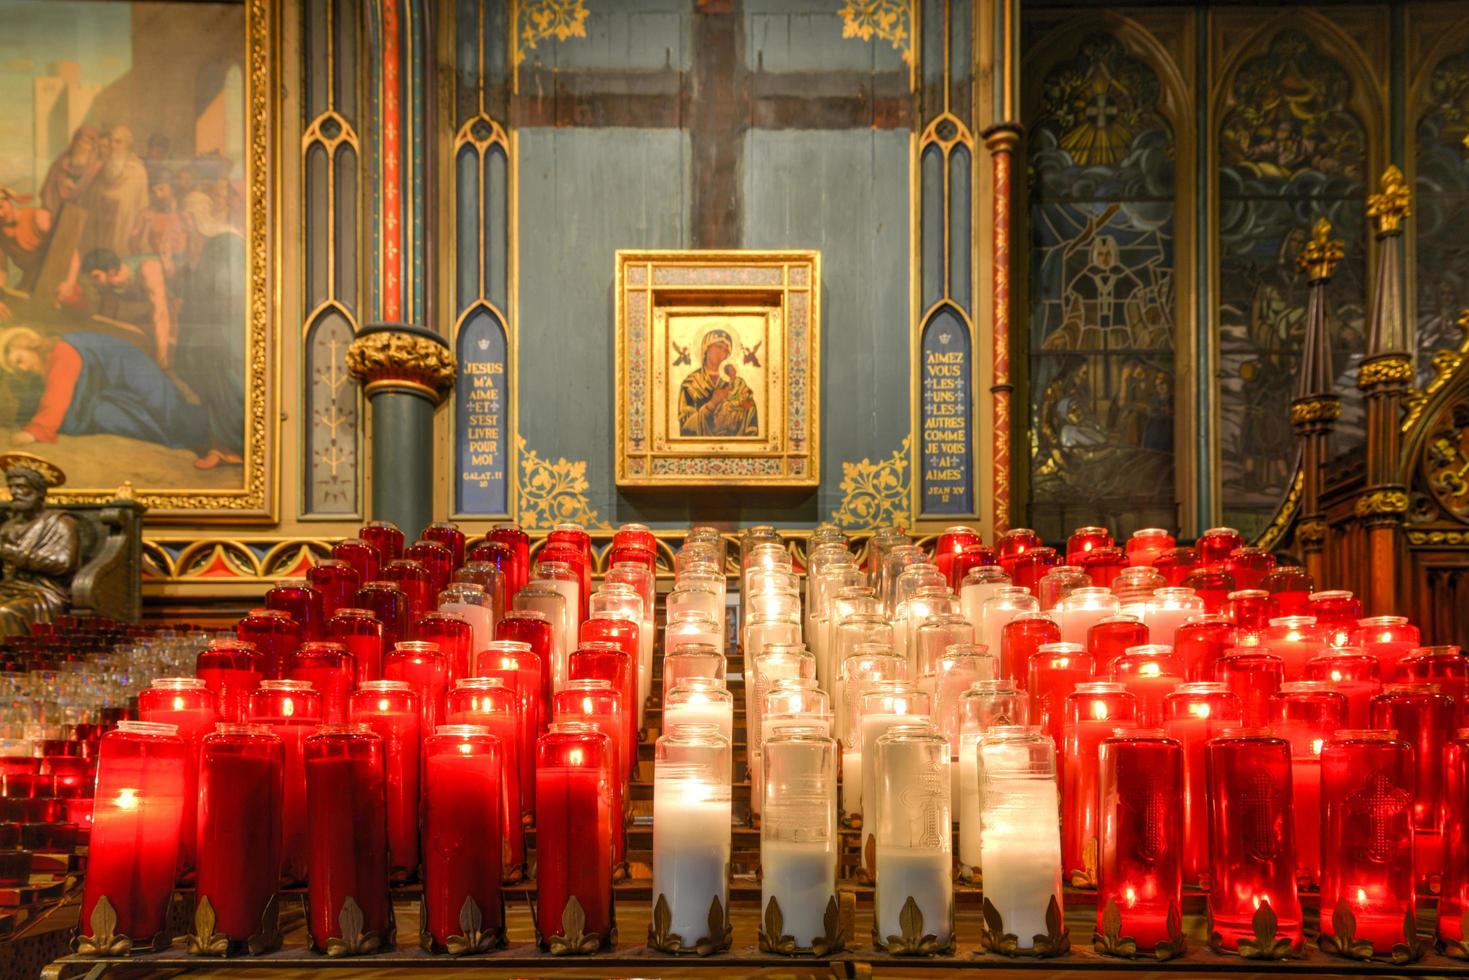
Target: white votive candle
922 874
801 877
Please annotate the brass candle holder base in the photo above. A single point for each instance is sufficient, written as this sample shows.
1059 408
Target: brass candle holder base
105 940
354 941
204 941
1110 941
912 940
1055 942
773 938
717 939
573 940
1268 944
1344 942
472 937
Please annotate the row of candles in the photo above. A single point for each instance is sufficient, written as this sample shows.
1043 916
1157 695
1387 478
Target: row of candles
1157 773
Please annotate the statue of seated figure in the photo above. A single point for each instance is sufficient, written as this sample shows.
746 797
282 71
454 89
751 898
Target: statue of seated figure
39 547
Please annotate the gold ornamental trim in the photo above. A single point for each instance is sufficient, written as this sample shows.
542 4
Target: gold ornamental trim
1389 206
1311 532
1445 363
1322 252
1388 369
386 358
1432 538
1383 502
1324 408
911 940
1055 942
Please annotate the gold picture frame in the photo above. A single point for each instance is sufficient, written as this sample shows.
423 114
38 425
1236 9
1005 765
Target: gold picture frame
718 368
231 159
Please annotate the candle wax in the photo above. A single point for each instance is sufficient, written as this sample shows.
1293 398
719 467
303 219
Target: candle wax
922 874
801 877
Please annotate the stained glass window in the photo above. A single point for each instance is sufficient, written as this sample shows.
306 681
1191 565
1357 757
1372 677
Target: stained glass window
1441 209
1102 305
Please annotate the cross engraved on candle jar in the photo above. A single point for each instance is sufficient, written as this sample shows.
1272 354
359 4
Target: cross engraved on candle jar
1258 809
1380 802
925 797
1153 806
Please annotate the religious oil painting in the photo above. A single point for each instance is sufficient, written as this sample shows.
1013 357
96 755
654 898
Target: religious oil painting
717 368
132 346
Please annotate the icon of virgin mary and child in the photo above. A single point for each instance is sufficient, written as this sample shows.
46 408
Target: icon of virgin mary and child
714 401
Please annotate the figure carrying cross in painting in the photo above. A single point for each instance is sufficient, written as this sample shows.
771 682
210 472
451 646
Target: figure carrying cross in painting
715 401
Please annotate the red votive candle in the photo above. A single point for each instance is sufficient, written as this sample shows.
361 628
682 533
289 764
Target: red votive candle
950 545
436 558
1306 714
1290 588
390 605
330 670
1113 636
1216 544
564 553
1146 544
574 831
346 812
1367 853
336 581
360 631
302 603
275 634
417 583
1150 672
1093 712
1253 677
1014 543
462 862
599 704
632 554
1424 718
1249 566
1031 566
1251 838
133 851
491 703
1212 584
1352 674
1020 639
1104 565
1055 670
1443 666
575 536
518 543
1085 540
1295 640
448 535
974 556
1141 833
452 635
390 709
602 660
189 706
292 710
1194 713
521 668
531 627
241 782
361 555
386 537
231 669
1388 638
1176 564
426 669
1337 612
1249 609
1200 642
636 534
1453 899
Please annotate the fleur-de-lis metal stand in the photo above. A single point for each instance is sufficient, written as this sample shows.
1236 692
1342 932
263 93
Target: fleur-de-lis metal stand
773 937
1055 942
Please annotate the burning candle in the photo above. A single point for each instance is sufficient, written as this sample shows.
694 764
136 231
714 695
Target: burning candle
1249 609
360 632
978 586
914 844
1388 638
598 704
1146 544
691 660
1167 611
518 542
1453 899
415 581
1444 667
302 603
454 637
1216 544
531 629
292 711
134 846
390 710
578 551
1367 842
574 821
1200 642
1290 588
1251 839
1295 640
798 838
885 706
1021 848
1352 674
1305 714
385 537
231 669
1253 677
346 813
605 660
1028 569
462 861
1020 639
1093 712
700 701
1104 565
1113 636
449 536
1055 670
331 671
427 671
189 706
950 545
1007 603
691 830
1424 718
1193 714
361 555
1085 540
1212 584
1337 612
241 781
488 703
532 680
390 605
1141 826
868 665
1175 565
1000 743
336 581
1014 543
1248 566
275 634
1150 673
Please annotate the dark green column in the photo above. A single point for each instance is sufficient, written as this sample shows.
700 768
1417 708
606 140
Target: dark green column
405 371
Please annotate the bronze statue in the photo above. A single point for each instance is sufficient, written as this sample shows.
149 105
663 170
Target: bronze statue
38 547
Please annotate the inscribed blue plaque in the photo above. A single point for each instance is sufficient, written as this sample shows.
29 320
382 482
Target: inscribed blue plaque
481 417
945 417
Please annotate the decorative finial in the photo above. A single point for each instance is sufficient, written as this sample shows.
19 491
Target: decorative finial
1322 252
125 492
1391 204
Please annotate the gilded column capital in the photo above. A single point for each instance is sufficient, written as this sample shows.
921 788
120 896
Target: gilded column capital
1314 411
400 356
1388 503
1322 252
1394 202
1002 137
1311 533
1385 370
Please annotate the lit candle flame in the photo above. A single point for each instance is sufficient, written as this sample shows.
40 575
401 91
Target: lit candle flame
383 704
1199 710
575 757
127 798
178 704
288 707
1099 710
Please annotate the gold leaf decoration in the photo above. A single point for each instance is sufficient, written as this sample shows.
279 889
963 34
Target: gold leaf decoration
1109 941
1086 875
1410 949
1057 940
995 939
204 941
876 494
1457 949
833 937
268 939
1267 944
720 933
867 874
554 493
353 941
472 936
105 940
659 937
1343 940
544 19
912 940
573 939
887 20
773 938
1176 944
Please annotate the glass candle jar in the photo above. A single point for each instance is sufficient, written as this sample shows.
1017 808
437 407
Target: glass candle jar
798 833
987 707
1104 565
488 703
1137 583
691 660
133 850
1150 673
1113 636
231 669
606 661
1014 543
1020 639
1175 565
950 545
1212 584
775 663
449 536
1424 718
957 670
390 605
1352 674
691 831
1084 540
390 709
1290 588
532 681
1217 544
386 537
1194 713
1058 583
361 555
189 706
914 843
598 704
884 706
1200 642
574 831
241 782
518 542
1093 712
933 638
490 562
360 632
1147 543
554 561
292 711
1451 936
416 582
576 538
454 637
1248 566
1388 638
1445 667
1083 609
867 666
1141 839
1249 609
700 701
1028 569
462 861
336 581
1055 670
1020 851
692 628
346 813
535 629
791 701
302 603
1367 881
1251 839
330 670
1253 677
1295 640
424 667
275 634
976 588
1168 610
1337 612
481 608
1305 714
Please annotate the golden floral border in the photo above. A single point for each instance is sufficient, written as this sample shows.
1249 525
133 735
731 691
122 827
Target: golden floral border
554 493
887 20
876 494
